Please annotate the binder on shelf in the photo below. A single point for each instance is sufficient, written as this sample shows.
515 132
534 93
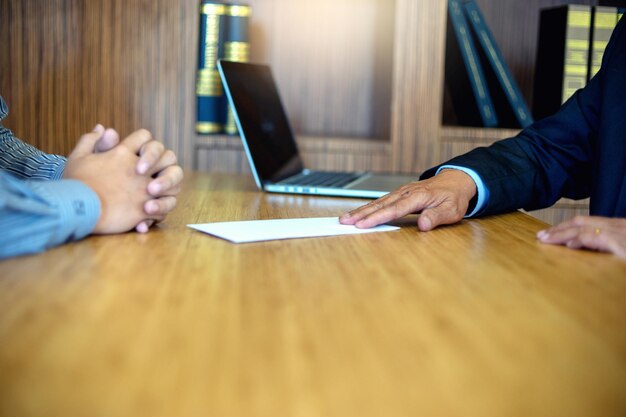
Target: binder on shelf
236 47
210 99
562 56
464 73
510 107
604 21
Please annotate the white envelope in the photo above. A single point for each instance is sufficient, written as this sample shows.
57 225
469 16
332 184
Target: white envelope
260 230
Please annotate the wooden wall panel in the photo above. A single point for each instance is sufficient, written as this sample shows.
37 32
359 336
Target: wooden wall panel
417 83
332 61
69 64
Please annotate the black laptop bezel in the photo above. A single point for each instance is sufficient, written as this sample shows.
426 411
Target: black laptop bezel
289 166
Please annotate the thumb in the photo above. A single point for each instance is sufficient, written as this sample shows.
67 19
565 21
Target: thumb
87 143
109 140
435 216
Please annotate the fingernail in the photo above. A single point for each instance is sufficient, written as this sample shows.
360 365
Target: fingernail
97 128
155 188
143 167
543 235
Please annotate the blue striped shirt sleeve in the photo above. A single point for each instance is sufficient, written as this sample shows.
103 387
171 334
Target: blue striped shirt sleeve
27 162
23 160
37 215
38 210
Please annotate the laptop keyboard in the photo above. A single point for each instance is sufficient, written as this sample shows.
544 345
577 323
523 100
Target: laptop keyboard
322 179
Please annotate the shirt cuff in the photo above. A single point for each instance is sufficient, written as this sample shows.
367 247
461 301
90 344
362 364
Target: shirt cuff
482 192
78 207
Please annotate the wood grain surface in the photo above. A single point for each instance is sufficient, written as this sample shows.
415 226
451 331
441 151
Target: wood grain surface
69 64
475 319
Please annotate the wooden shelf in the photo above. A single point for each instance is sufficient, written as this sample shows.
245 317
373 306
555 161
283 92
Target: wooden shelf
474 134
214 152
311 143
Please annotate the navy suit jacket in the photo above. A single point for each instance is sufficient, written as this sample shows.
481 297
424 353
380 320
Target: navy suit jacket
579 152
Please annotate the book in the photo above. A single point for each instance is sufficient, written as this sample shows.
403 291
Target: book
604 20
620 12
236 46
511 109
464 75
562 56
210 99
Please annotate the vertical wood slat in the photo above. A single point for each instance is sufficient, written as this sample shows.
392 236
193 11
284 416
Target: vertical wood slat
417 83
126 64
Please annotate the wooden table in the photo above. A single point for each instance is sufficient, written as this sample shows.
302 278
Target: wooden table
476 319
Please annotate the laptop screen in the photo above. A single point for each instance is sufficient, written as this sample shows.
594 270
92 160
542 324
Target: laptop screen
265 129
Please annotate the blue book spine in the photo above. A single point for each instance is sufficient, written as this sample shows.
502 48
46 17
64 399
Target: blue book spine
496 61
211 102
472 64
620 13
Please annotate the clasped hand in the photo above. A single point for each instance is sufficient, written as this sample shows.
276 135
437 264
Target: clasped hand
136 179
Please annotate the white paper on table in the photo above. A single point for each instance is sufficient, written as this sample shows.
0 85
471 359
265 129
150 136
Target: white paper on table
259 230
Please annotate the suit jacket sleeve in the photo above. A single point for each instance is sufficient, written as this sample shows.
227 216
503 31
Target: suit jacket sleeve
550 159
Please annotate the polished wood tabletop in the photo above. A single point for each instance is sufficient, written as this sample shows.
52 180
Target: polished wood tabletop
474 319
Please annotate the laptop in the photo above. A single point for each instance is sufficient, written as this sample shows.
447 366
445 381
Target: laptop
271 148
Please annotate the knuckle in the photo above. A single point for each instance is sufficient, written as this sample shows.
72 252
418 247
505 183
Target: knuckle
170 156
119 150
144 132
396 211
159 146
155 148
85 136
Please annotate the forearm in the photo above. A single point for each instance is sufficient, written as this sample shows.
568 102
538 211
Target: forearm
37 215
549 160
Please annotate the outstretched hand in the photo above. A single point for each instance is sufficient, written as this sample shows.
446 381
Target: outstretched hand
590 232
442 199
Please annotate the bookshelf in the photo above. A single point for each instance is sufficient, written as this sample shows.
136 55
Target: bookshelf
349 74
362 80
333 65
416 129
